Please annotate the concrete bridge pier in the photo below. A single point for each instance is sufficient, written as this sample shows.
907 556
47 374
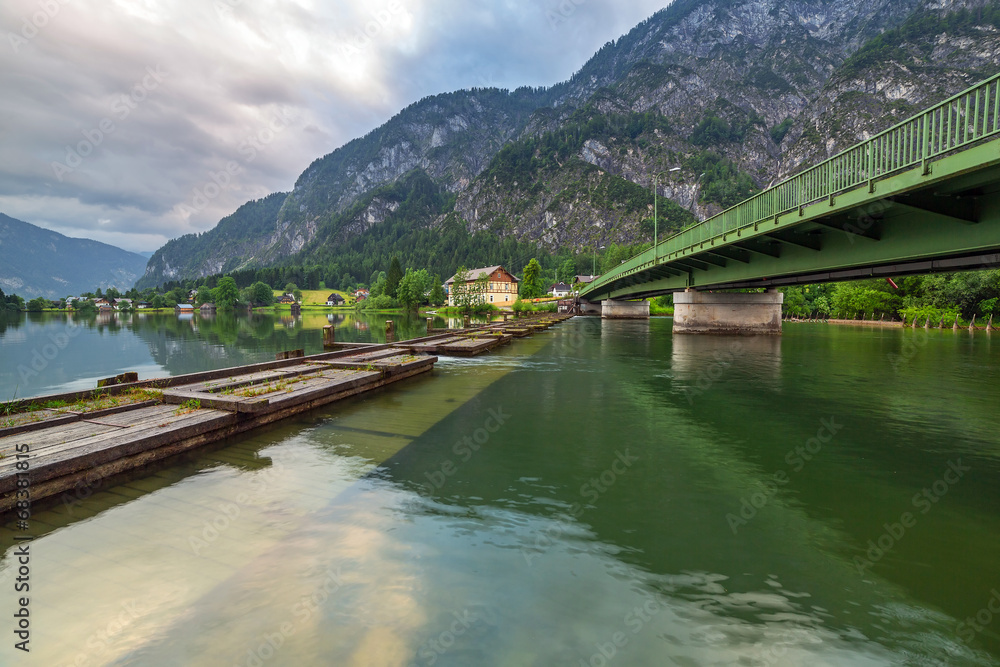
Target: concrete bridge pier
584 307
612 309
724 313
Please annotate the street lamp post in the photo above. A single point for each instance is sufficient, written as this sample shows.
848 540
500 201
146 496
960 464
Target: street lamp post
593 271
656 227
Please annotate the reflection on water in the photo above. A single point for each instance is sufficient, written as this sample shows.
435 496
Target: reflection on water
698 362
49 352
561 502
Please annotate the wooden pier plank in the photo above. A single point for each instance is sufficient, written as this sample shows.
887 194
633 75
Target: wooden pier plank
102 448
155 423
110 441
40 441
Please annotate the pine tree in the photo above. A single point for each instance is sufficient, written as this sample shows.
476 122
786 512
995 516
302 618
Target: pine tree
393 277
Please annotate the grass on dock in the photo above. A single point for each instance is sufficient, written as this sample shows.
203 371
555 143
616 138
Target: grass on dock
16 413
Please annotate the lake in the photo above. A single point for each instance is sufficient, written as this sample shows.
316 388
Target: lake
603 493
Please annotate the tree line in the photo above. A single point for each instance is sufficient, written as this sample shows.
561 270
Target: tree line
931 297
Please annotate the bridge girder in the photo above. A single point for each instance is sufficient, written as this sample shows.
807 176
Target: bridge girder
944 219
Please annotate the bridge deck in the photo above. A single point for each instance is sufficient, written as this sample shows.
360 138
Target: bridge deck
921 196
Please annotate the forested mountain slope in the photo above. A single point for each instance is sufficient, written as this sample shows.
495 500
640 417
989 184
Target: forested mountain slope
729 94
38 262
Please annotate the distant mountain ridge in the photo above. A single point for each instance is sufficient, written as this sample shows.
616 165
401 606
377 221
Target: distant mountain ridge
39 262
735 93
231 245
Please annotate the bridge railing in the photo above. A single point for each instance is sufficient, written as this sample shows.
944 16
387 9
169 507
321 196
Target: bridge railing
958 121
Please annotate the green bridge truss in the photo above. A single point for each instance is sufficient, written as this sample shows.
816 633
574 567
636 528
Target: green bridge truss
920 197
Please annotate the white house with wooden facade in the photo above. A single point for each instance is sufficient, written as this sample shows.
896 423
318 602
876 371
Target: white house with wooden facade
500 287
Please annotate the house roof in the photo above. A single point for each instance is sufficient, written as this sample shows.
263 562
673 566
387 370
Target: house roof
561 286
585 279
185 305
475 274
334 297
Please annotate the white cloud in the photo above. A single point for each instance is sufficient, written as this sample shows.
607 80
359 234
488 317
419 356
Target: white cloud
202 79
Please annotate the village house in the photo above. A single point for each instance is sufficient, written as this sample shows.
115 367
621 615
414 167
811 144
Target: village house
184 308
560 290
583 280
361 294
335 300
501 288
286 298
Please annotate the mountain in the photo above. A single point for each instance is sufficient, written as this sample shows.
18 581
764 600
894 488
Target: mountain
722 97
229 246
38 262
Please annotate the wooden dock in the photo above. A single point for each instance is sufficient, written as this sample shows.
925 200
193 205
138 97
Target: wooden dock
78 441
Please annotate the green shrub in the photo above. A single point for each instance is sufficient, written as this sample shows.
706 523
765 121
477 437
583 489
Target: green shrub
383 302
779 131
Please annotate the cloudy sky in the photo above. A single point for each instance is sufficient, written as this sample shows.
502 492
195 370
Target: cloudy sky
136 121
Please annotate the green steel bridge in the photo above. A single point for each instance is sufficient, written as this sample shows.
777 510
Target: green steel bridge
920 197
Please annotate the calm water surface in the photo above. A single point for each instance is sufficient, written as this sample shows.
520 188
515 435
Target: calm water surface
43 353
600 494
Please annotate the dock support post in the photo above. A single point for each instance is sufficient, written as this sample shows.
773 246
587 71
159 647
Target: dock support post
972 325
466 322
390 331
989 325
954 327
430 325
329 338
927 322
941 326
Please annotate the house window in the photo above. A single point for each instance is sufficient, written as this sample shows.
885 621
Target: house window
491 298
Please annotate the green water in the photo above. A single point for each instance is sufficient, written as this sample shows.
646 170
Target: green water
599 494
